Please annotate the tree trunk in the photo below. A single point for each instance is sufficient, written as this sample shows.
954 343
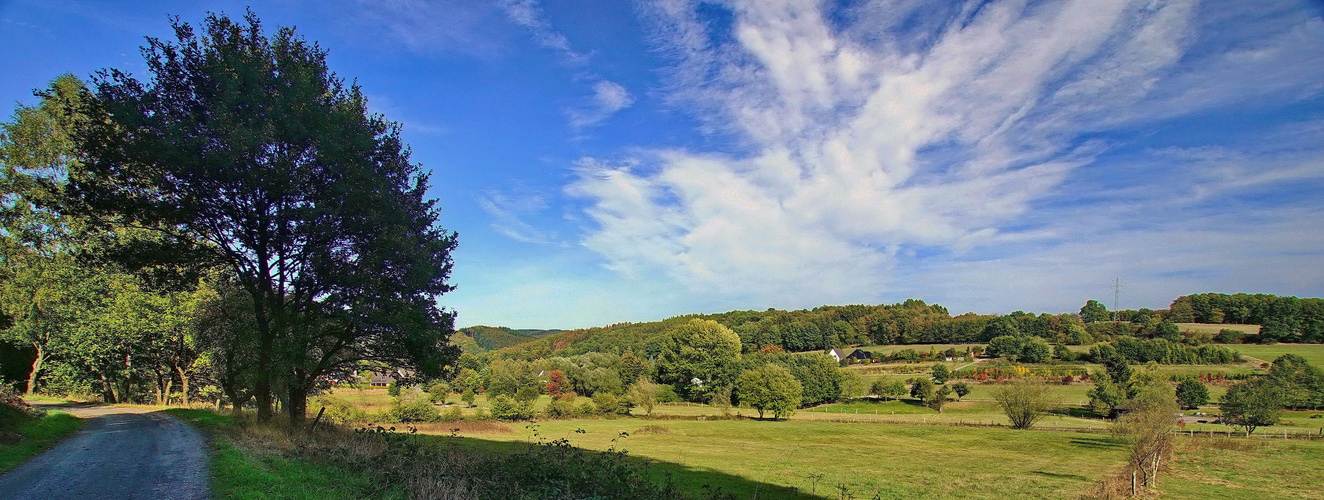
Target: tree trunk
36 367
183 386
108 390
297 406
236 402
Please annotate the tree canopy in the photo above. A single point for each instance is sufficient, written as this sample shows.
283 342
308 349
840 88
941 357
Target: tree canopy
244 150
769 388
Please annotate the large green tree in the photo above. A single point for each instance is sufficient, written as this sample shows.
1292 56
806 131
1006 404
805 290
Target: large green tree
243 149
698 349
769 388
1252 403
37 267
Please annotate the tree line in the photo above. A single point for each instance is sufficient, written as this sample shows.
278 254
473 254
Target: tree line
238 218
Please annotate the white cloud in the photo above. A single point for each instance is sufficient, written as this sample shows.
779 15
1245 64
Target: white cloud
509 211
529 15
862 143
608 98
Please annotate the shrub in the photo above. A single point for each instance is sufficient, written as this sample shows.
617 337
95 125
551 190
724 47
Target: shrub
607 403
339 411
1024 402
586 409
393 389
504 408
1228 336
667 394
527 394
468 397
437 392
452 414
559 408
411 410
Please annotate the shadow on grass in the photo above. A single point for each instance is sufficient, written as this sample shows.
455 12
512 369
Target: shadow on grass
1062 476
695 482
699 482
1097 443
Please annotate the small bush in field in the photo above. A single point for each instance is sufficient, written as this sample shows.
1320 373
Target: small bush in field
437 392
559 409
586 409
607 403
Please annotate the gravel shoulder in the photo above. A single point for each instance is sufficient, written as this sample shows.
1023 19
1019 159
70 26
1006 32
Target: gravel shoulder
121 452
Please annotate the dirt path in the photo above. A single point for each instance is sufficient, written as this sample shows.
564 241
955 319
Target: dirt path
121 452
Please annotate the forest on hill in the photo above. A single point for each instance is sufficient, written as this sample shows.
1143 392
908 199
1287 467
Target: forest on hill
481 338
1284 319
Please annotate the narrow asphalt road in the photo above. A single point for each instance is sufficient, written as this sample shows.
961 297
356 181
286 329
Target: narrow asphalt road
121 453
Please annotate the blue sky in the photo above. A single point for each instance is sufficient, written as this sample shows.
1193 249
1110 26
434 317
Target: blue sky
608 161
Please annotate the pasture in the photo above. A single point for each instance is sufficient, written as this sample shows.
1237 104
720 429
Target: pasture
804 458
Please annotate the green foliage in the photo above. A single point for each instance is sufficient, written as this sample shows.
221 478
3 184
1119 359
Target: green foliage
468 397
852 386
819 376
923 390
769 388
1094 311
644 395
527 394
1283 319
1024 402
1192 393
1034 350
393 389
698 349
438 391
340 411
941 373
1301 383
559 408
608 404
961 389
1105 395
344 213
1252 403
940 398
1005 346
1061 352
410 410
505 408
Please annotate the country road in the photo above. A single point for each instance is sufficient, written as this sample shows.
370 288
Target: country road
121 453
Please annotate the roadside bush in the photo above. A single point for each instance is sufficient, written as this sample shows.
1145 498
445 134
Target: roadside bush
1192 394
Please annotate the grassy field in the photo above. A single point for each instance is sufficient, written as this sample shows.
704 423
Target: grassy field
887 460
38 435
1213 329
1314 353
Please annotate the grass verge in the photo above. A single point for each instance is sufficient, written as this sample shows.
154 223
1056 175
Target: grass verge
39 434
245 465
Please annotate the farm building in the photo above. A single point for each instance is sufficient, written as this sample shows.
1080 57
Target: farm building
841 354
